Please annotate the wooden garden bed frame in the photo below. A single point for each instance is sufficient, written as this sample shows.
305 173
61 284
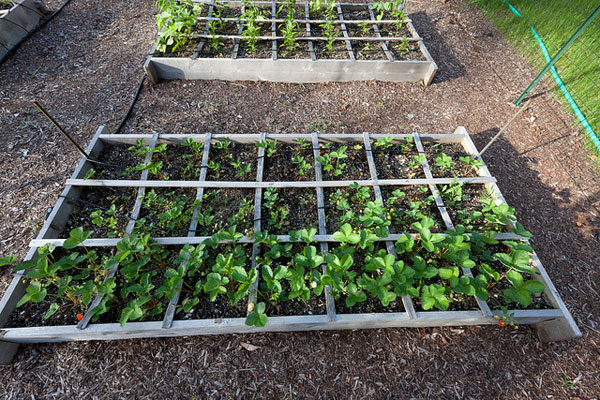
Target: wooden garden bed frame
308 70
553 324
19 21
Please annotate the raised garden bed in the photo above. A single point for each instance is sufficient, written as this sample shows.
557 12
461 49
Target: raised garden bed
17 19
348 263
298 42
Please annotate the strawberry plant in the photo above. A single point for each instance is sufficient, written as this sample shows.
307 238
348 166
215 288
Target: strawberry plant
327 161
269 146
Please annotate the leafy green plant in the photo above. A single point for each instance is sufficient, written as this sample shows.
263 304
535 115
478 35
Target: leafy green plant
269 145
223 144
215 25
251 27
278 212
177 19
71 281
329 29
327 160
243 169
215 167
106 219
444 162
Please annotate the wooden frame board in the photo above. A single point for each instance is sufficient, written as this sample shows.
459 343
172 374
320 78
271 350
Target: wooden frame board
554 324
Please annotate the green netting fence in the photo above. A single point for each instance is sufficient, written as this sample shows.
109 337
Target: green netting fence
540 29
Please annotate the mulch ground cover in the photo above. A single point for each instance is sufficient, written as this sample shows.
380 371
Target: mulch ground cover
556 198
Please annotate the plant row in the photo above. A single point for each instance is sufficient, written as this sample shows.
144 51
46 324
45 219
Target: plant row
428 268
230 161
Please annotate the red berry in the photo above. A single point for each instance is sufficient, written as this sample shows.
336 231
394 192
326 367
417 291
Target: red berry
79 317
501 322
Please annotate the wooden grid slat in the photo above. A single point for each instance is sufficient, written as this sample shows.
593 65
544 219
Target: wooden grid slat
236 41
274 31
406 300
311 47
135 213
203 41
172 307
173 241
330 302
378 34
257 223
345 33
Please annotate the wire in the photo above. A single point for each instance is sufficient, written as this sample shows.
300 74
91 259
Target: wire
137 94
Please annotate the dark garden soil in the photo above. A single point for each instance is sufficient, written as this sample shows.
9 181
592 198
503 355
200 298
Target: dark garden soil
363 50
392 30
85 65
32 314
302 207
167 199
225 206
5 6
316 305
395 163
454 151
175 161
333 214
245 153
113 163
371 305
220 308
356 168
402 211
264 48
93 199
281 167
301 51
368 50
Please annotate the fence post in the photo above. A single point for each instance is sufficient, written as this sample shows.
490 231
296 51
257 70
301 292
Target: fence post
557 56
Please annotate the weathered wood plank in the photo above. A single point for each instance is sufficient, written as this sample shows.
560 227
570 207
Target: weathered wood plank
178 241
260 166
135 330
289 138
329 300
262 185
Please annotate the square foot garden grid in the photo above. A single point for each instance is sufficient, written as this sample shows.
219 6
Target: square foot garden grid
350 42
16 22
552 318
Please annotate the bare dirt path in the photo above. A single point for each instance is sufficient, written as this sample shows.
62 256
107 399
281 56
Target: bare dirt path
84 68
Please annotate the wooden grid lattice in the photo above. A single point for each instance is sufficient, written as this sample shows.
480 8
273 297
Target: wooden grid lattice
304 69
554 324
